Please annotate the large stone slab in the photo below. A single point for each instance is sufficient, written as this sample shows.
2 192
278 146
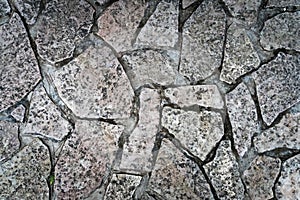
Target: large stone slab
9 142
29 9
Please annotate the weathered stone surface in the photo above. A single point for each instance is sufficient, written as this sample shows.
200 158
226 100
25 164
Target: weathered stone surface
260 177
86 156
25 175
186 3
224 174
18 68
288 184
95 85
137 154
60 26
29 9
177 177
4 11
122 18
243 117
9 142
151 66
282 31
278 85
240 57
199 132
18 113
203 95
203 35
161 29
284 3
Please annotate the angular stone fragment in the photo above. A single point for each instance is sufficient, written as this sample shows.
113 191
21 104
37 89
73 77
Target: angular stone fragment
203 36
4 11
224 173
151 66
25 175
18 113
278 85
85 158
282 31
243 117
203 95
95 85
29 9
118 23
288 184
177 177
240 56
60 26
186 3
137 153
284 3
18 68
161 29
9 142
260 177
199 132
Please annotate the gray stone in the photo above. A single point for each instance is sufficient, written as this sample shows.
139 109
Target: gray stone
284 3
186 3
203 36
19 71
29 9
4 11
18 113
278 85
9 142
199 132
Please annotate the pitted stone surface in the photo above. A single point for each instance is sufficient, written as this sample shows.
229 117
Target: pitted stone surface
243 117
203 95
85 157
18 113
9 142
199 132
161 29
203 37
224 174
4 11
18 67
95 85
278 85
60 26
260 177
29 9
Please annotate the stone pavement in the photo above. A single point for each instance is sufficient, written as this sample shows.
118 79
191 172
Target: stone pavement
149 99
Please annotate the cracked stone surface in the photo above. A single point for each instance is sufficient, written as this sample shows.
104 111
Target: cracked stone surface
4 11
19 113
9 143
29 9
186 3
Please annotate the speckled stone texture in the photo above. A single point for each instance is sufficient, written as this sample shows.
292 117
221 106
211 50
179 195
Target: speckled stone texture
4 11
186 3
9 142
283 3
29 9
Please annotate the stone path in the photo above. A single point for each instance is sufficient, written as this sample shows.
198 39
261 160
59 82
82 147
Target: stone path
149 99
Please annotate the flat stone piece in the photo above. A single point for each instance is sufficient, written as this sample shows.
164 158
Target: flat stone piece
25 175
203 37
4 11
85 158
284 2
260 177
289 181
60 26
122 187
282 31
203 95
151 66
177 177
278 85
29 9
137 153
243 117
240 56
199 132
19 71
224 173
186 3
95 85
161 29
18 113
119 22
9 142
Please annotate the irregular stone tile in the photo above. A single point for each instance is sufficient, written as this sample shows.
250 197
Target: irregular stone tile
177 177
4 11
60 26
95 85
137 153
203 36
243 117
18 113
199 132
224 173
151 66
278 85
260 177
122 18
122 187
19 71
25 175
288 184
9 142
282 31
284 3
85 158
161 29
203 95
186 3
29 9
240 56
